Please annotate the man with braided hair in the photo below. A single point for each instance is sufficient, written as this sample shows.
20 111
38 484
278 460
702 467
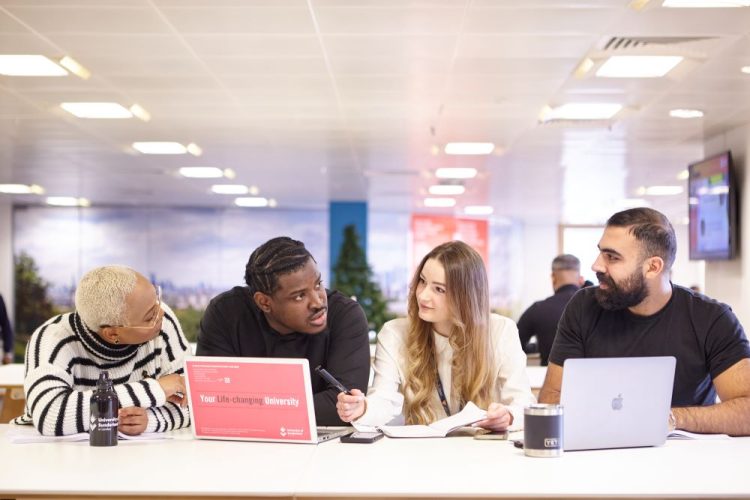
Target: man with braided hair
286 312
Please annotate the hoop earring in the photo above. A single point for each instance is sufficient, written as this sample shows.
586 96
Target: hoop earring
117 341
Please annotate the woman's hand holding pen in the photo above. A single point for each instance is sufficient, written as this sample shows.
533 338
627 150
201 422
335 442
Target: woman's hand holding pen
498 418
351 406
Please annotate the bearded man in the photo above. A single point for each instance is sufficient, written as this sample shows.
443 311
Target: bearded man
637 311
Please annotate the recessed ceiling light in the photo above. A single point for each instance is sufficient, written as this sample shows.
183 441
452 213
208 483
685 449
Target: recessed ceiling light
469 148
478 210
194 149
96 110
68 201
29 65
683 175
140 113
201 172
272 203
584 67
638 66
705 4
581 111
446 189
229 189
251 201
160 148
685 113
456 173
659 190
745 69
74 67
21 189
439 202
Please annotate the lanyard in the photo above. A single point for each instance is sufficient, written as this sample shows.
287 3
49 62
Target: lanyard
441 394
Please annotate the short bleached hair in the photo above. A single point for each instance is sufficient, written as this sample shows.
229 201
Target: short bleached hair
101 294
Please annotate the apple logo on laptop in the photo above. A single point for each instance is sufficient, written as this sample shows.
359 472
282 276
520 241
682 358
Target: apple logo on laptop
617 402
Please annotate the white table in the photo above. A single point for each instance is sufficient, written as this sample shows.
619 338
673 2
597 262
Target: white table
450 467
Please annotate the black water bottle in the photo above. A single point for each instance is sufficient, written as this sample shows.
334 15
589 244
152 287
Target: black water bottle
104 410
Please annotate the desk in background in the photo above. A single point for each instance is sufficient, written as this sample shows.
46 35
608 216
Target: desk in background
536 378
13 400
455 467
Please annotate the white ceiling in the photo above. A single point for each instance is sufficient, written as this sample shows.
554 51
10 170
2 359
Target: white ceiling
324 100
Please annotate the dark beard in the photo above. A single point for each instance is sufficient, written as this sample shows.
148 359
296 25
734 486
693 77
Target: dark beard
630 292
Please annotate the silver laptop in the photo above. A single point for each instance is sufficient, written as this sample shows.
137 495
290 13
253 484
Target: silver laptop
616 402
254 399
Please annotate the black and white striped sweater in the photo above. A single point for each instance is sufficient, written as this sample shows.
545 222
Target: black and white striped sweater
63 362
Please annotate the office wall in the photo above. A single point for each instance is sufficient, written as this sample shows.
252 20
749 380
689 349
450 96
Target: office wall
6 255
540 246
729 281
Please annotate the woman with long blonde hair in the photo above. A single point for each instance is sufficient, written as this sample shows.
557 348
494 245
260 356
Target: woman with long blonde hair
449 351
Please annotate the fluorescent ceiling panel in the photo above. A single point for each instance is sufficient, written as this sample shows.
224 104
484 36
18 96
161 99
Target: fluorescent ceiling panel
705 4
469 148
685 113
160 148
201 172
21 189
582 111
67 201
251 201
108 110
29 65
638 66
456 173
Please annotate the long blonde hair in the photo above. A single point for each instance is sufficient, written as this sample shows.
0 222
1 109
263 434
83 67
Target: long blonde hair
467 293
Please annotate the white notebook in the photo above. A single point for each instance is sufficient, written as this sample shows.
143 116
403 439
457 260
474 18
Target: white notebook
470 414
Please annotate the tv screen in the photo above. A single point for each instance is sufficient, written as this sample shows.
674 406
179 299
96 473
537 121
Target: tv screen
712 208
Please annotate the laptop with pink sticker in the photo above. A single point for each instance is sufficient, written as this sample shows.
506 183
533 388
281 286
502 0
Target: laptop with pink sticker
254 399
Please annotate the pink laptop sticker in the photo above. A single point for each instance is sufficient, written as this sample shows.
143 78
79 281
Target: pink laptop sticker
232 399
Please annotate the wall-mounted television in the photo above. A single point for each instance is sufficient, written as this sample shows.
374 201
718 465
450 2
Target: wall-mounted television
712 205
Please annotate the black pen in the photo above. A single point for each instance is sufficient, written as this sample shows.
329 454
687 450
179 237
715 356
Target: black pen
331 379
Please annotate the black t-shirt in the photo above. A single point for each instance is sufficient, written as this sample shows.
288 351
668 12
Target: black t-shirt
541 319
234 326
702 334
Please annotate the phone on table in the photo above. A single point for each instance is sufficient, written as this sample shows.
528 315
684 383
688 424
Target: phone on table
361 437
491 435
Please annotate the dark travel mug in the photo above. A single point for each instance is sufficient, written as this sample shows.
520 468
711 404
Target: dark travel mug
543 430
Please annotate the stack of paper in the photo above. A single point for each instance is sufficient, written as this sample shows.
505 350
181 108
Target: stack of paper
677 434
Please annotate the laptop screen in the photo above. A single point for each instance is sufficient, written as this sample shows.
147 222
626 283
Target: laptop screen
616 402
254 399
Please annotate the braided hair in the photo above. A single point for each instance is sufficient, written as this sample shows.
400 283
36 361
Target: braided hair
272 259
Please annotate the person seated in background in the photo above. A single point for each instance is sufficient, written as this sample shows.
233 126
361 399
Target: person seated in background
119 325
286 312
7 334
541 317
637 311
449 350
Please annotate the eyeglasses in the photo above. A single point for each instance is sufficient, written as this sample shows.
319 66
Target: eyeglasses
157 314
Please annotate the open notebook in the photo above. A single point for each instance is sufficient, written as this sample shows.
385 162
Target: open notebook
23 434
470 414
